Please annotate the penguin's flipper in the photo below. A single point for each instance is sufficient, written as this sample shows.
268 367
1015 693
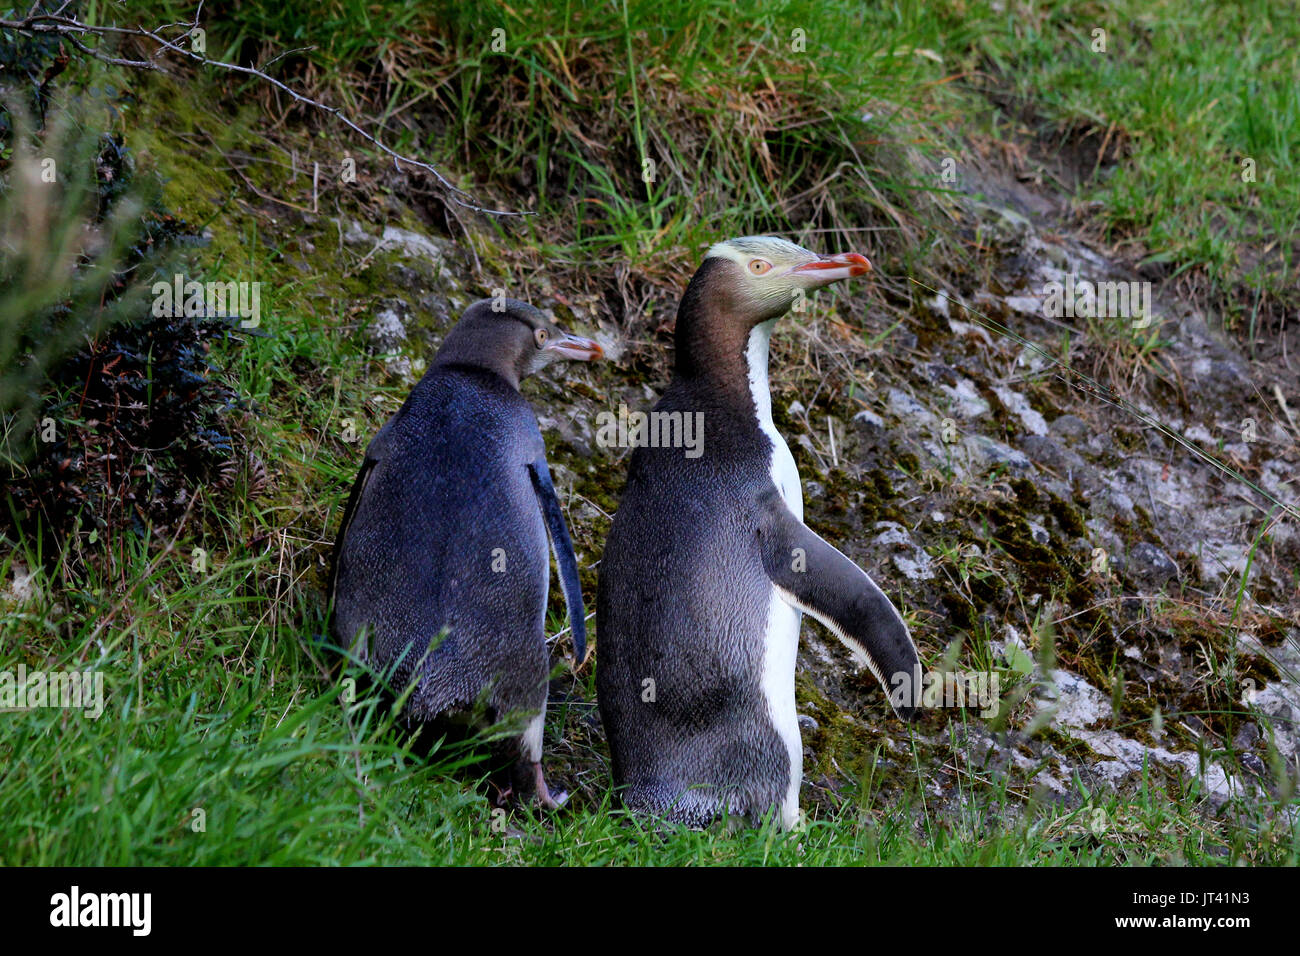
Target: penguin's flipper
375 453
565 560
813 576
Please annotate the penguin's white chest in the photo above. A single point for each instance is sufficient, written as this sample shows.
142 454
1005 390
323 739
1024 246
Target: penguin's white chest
781 636
784 473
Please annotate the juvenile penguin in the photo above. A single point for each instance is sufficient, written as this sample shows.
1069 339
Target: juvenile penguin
709 565
441 570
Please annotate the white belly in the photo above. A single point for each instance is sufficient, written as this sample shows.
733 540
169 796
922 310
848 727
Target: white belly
781 636
780 649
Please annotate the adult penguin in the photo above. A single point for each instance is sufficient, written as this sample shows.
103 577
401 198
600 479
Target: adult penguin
441 568
709 565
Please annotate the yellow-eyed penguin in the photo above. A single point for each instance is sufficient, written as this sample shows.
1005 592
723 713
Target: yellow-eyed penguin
441 568
709 565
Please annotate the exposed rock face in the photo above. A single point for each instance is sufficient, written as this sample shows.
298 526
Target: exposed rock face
1092 521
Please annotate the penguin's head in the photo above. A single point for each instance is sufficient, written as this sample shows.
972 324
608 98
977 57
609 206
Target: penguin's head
761 277
513 339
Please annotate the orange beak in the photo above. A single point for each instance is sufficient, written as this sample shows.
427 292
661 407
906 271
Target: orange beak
576 347
846 265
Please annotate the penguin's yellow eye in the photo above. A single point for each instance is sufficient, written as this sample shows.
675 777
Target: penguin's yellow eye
760 266
541 335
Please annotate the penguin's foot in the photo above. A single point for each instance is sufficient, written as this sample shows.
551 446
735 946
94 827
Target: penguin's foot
544 796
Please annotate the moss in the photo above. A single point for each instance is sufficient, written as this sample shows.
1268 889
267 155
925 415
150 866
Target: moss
602 486
1093 663
1179 680
1272 632
580 388
876 494
839 492
1128 439
1144 522
964 609
841 746
1257 668
1026 493
908 461
1067 517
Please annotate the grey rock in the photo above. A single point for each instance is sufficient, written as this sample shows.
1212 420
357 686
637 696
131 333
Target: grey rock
1049 452
869 421
911 560
1072 701
941 373
1019 406
438 307
966 399
908 408
892 533
387 330
1056 255
576 431
938 304
1112 503
1246 737
988 454
1150 564
1278 707
1025 304
413 244
1032 358
1069 427
1221 378
355 234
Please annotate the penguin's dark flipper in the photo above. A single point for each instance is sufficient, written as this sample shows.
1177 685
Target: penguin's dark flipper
375 453
565 560
815 577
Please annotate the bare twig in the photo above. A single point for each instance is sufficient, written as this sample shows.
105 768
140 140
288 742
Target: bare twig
72 30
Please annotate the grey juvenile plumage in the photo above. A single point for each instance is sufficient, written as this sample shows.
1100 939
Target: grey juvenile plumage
709 564
446 531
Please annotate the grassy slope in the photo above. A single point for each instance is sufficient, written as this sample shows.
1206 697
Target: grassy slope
217 698
1187 94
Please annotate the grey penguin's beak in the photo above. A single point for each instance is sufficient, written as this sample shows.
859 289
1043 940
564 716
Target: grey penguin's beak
575 347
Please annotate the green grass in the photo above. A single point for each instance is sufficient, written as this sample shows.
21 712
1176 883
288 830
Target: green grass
584 94
227 739
228 745
1187 92
745 120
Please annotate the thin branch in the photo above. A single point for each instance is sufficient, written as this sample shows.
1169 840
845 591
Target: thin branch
74 31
